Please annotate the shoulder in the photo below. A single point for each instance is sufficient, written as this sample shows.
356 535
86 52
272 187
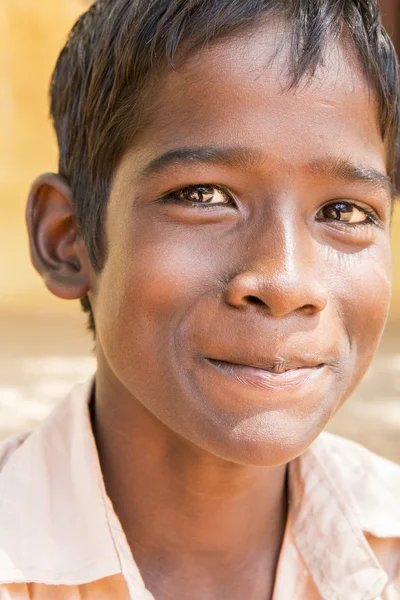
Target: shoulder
372 481
357 463
10 446
354 498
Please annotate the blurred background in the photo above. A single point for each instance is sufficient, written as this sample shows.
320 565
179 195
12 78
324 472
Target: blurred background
44 346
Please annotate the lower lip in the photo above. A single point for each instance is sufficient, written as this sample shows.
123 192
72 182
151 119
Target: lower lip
262 379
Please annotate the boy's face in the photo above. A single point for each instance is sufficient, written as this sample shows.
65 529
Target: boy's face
286 268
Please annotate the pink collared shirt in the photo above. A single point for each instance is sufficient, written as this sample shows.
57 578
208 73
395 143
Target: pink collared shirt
60 538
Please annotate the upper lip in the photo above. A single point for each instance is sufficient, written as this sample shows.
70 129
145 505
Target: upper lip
275 365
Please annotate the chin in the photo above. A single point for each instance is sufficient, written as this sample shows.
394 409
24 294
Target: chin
264 441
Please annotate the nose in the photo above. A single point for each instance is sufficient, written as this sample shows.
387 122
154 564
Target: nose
283 276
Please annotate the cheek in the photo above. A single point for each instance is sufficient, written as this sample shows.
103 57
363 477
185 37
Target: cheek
152 278
364 286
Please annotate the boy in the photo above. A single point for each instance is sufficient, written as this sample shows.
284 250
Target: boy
223 210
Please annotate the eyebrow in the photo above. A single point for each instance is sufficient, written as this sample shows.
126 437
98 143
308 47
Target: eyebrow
246 158
230 157
350 172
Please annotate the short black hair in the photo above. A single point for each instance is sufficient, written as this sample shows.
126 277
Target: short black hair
118 48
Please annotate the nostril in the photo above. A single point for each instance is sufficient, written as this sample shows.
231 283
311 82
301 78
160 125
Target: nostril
254 300
308 308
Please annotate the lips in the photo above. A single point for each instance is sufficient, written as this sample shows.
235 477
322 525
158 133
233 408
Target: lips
277 365
277 374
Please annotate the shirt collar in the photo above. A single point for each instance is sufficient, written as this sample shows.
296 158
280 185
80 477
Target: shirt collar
56 528
334 502
54 525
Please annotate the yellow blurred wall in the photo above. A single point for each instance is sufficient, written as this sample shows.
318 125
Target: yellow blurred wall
32 33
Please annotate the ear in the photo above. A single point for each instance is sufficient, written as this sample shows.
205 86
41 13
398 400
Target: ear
58 252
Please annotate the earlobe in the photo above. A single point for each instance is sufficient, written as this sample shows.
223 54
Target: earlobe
57 250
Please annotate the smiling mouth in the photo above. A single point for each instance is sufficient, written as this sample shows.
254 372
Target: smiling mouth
278 376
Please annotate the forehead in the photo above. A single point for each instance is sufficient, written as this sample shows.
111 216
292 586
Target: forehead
238 92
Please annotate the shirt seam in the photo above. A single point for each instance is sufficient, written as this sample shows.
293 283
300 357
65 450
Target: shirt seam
356 532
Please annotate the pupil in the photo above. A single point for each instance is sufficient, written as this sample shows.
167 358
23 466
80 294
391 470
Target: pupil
339 211
194 195
199 194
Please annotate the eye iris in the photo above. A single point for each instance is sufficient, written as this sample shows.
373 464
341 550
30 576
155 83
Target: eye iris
200 194
339 212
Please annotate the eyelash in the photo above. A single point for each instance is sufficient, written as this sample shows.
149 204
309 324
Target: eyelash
372 218
173 196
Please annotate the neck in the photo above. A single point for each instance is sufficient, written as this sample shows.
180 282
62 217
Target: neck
182 508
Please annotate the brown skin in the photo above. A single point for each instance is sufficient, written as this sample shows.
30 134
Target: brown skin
195 459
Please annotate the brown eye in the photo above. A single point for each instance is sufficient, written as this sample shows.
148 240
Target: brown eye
344 212
203 194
